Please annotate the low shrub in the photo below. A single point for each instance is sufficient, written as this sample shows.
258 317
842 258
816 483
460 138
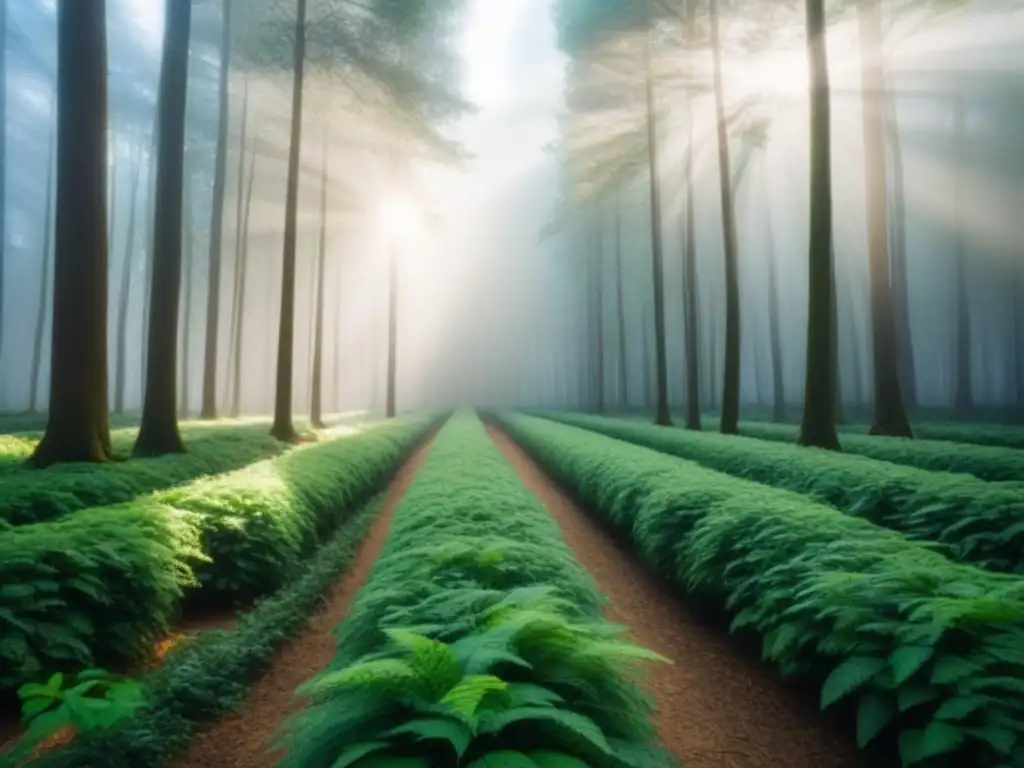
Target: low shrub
211 674
477 640
982 461
103 584
976 522
931 652
35 496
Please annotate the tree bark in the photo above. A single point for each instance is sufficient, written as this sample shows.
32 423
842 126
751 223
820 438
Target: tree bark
890 416
316 394
662 415
598 272
620 308
692 313
158 433
907 370
209 402
236 317
963 394
774 322
189 255
78 426
731 380
124 298
44 278
837 368
283 428
147 262
243 265
818 428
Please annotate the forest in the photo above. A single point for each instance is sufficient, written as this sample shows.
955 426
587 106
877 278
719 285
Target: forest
520 384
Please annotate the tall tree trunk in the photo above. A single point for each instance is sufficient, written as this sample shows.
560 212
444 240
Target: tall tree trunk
818 427
598 272
392 332
3 163
856 367
124 298
209 403
662 415
963 396
147 263
236 317
158 433
774 321
44 278
907 370
1018 329
890 416
692 330
620 308
283 428
316 394
78 427
731 380
243 266
189 255
837 369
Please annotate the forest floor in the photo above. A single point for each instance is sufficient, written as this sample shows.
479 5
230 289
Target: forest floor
717 705
243 738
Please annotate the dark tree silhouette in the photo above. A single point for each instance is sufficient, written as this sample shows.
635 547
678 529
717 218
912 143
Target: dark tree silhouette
78 426
44 278
316 395
209 402
121 351
283 428
243 265
620 308
158 433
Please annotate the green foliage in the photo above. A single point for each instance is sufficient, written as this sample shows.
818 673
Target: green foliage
929 650
974 521
211 674
35 496
104 583
96 699
476 633
984 462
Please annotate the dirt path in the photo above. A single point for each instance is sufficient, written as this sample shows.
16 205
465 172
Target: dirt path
240 739
716 706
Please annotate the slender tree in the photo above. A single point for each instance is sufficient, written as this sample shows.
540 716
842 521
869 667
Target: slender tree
189 257
3 163
44 278
124 298
890 416
662 415
243 265
620 307
818 427
78 427
236 317
158 433
963 392
731 379
690 308
209 402
774 321
597 270
390 405
316 395
283 428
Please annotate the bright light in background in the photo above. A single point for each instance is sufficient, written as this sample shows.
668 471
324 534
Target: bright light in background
399 218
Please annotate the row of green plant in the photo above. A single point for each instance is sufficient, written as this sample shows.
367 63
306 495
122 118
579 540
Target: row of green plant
931 652
983 461
976 522
477 641
198 681
35 496
102 585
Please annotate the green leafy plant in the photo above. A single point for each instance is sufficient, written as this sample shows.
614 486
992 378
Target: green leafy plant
976 522
478 639
91 700
929 651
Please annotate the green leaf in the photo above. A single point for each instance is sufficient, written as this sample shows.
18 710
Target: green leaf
504 758
960 707
545 758
909 659
940 738
437 729
33 706
579 725
1002 740
357 752
848 677
949 669
910 696
465 696
873 713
